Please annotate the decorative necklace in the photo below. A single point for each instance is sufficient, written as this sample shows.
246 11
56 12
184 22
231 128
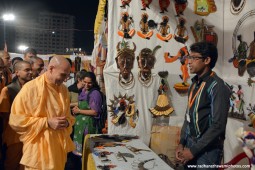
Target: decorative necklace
236 6
127 84
145 81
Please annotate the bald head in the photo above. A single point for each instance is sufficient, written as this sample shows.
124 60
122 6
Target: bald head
58 61
58 70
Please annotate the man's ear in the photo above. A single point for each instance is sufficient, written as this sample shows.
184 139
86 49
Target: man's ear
51 67
208 60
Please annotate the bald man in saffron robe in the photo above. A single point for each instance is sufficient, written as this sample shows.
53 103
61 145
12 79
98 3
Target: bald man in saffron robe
41 115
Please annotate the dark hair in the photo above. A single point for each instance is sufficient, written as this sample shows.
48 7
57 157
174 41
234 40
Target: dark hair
16 59
93 79
206 50
79 75
30 50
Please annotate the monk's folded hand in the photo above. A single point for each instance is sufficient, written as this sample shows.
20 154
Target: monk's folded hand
57 123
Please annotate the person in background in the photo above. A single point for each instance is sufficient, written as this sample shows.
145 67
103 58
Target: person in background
11 142
29 52
7 64
2 84
40 113
88 109
73 161
13 61
37 66
204 128
69 80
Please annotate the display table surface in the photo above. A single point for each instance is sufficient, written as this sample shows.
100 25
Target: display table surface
133 162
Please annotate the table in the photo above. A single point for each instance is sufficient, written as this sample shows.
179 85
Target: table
131 160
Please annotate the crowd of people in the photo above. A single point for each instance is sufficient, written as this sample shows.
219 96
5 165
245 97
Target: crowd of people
41 119
43 123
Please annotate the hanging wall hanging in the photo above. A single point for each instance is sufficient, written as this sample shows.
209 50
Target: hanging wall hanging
126 28
204 7
180 6
236 109
163 4
251 115
125 62
164 29
146 61
182 56
144 27
146 4
125 3
162 107
122 109
181 32
203 32
236 6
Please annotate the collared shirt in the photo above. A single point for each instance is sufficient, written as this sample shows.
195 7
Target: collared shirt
207 111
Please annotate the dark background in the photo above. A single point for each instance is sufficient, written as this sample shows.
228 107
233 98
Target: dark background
84 11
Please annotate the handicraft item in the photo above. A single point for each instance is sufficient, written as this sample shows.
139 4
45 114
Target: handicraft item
125 62
251 115
180 6
182 56
125 3
204 7
122 109
126 26
146 61
145 4
164 30
144 27
181 33
162 107
236 6
163 4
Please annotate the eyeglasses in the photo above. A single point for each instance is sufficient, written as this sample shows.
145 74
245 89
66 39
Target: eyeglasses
195 58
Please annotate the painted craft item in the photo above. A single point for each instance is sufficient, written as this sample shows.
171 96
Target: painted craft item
251 115
182 55
180 6
164 30
126 26
125 62
236 6
181 33
125 3
146 61
204 7
247 138
145 31
146 4
122 110
204 32
163 4
162 107
237 103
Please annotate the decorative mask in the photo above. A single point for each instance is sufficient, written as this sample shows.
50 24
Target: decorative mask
146 61
125 62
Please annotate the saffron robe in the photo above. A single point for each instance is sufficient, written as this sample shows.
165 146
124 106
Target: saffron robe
43 147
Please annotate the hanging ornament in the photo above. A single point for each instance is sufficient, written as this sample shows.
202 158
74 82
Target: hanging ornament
122 110
181 33
146 61
144 27
163 4
126 26
180 6
162 107
182 56
204 7
125 62
125 3
164 30
236 6
145 4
